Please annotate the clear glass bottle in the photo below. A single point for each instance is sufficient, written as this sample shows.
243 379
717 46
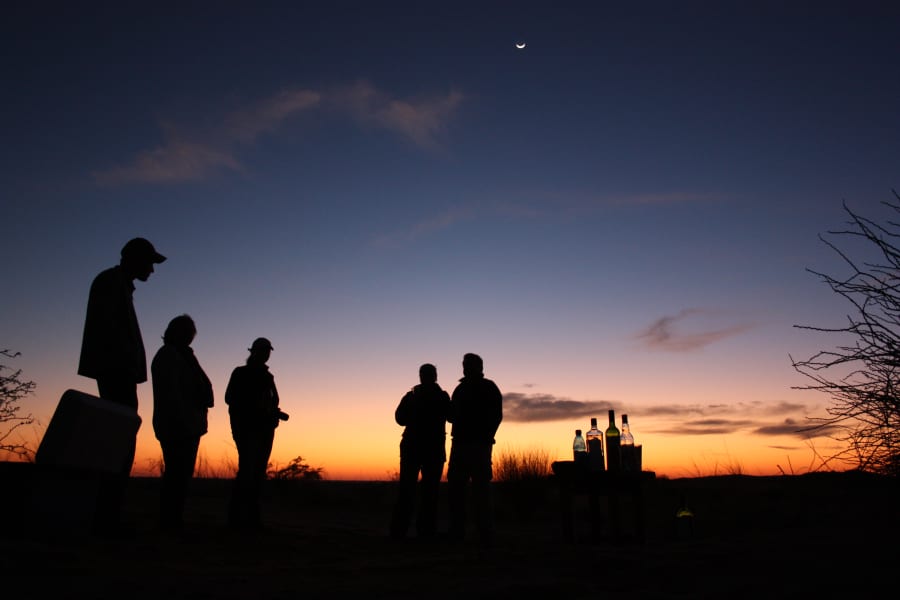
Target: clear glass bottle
595 447
626 442
579 449
613 454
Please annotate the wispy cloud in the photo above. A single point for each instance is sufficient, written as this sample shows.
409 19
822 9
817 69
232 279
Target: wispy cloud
577 203
194 156
514 204
776 419
268 115
666 333
424 227
527 408
421 121
661 199
175 161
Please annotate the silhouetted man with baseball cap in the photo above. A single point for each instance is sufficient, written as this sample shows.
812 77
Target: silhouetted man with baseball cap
112 353
252 400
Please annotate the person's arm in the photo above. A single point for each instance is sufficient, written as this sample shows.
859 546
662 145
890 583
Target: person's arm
403 413
234 391
445 405
168 399
453 406
497 406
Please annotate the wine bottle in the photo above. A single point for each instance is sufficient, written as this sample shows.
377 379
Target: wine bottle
595 447
626 442
613 454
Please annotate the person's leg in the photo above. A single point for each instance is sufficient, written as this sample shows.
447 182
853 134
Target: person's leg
167 485
457 479
262 450
482 475
426 521
406 495
237 506
179 457
111 495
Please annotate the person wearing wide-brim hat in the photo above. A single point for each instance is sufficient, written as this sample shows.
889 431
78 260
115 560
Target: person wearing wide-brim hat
253 408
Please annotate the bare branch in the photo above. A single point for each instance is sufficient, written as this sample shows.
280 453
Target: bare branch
12 390
861 374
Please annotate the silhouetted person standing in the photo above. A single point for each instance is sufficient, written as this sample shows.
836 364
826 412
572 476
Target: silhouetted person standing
476 409
423 412
112 353
253 408
182 397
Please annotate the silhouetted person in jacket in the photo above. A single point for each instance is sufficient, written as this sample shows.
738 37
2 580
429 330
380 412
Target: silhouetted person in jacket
253 409
182 397
476 409
112 353
423 413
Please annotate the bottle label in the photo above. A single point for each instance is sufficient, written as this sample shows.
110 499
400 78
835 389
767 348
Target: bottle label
613 456
595 454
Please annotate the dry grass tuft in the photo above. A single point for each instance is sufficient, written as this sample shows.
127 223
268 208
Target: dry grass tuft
528 464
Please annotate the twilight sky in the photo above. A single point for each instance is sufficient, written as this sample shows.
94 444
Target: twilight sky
620 215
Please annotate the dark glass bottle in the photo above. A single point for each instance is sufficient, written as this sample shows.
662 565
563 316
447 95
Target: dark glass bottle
613 455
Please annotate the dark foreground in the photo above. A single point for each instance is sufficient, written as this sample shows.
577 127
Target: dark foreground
772 537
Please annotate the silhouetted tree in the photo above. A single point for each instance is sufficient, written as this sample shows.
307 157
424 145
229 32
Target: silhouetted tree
862 373
12 390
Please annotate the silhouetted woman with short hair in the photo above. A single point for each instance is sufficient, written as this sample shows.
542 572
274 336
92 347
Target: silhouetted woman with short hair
182 397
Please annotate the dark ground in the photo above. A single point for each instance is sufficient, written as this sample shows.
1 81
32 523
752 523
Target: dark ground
753 537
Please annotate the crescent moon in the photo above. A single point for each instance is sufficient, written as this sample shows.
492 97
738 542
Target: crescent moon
520 46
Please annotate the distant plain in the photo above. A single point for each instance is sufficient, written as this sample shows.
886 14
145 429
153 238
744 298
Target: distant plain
773 537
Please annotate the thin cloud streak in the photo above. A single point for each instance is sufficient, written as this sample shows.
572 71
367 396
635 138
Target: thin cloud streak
177 161
520 210
663 334
184 157
268 115
695 419
420 121
531 408
424 227
576 203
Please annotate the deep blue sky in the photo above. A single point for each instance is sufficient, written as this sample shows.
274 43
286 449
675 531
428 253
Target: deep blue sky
620 214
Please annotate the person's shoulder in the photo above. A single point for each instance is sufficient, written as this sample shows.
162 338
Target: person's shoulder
164 350
431 390
491 384
108 276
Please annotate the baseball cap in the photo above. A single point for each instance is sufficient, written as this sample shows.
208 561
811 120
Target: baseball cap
142 249
261 344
